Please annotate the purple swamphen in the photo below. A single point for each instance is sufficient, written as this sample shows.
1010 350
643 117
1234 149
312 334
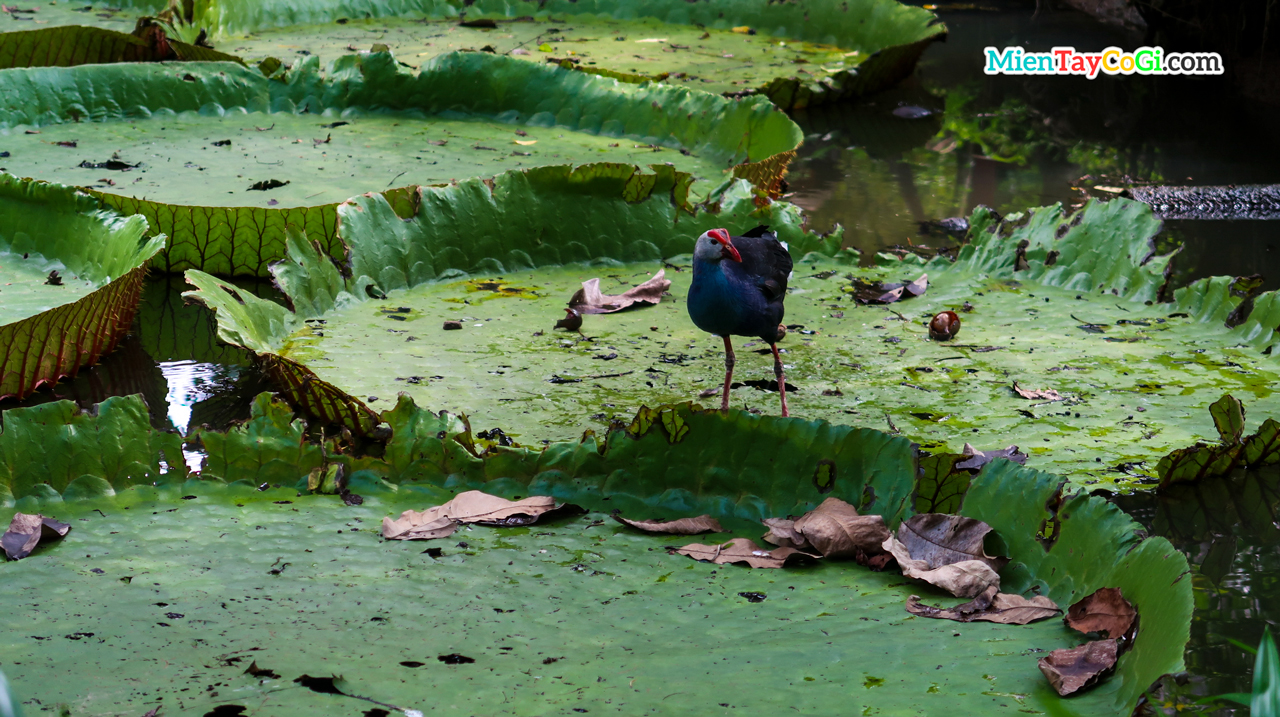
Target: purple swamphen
739 284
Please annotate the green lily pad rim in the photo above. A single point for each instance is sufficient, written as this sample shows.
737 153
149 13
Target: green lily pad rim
108 249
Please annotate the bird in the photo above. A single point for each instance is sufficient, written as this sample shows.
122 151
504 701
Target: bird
572 321
739 285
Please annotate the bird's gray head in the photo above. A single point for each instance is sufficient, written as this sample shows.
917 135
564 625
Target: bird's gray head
715 245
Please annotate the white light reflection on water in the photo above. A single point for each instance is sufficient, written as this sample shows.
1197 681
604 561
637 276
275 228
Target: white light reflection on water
189 383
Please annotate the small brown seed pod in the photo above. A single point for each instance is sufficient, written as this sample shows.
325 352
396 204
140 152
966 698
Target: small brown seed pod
944 326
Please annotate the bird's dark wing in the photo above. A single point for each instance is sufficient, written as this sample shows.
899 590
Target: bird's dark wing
759 231
766 260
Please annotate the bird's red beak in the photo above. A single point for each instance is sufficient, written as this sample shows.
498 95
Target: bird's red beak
728 251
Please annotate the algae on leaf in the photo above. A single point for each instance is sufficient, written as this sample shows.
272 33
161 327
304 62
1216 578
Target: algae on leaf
70 291
184 145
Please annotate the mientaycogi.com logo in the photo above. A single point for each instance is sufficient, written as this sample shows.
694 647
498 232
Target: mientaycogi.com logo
1111 61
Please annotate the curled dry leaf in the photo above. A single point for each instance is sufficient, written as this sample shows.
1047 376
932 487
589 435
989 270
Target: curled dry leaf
967 578
1105 611
472 506
940 539
26 531
833 530
991 606
1070 671
589 300
981 458
1042 395
682 526
744 550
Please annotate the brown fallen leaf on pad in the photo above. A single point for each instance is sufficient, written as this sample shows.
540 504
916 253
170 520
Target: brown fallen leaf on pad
471 507
991 606
833 529
942 539
1070 671
946 551
589 300
1105 611
26 531
681 526
743 550
1041 395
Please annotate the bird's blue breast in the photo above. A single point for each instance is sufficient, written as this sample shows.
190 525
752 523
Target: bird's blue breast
726 302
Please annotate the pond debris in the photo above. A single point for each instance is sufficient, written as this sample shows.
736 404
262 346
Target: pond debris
452 325
1105 611
946 551
680 526
944 326
833 530
26 531
1038 395
1071 670
991 606
878 292
266 185
54 279
978 459
589 299
743 550
471 507
115 164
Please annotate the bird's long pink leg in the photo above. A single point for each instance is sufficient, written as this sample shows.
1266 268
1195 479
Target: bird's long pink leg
728 372
782 379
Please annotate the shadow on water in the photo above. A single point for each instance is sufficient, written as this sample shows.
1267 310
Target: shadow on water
1229 528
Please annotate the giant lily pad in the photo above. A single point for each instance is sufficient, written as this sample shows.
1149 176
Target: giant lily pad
798 54
70 278
222 159
188 559
1075 311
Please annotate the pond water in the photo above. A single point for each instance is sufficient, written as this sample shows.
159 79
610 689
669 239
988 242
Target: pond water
1009 143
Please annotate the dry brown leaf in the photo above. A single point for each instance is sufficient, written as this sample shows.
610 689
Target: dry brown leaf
967 578
833 529
743 550
26 531
1070 671
991 606
472 506
1041 395
782 533
1105 611
589 300
941 539
681 526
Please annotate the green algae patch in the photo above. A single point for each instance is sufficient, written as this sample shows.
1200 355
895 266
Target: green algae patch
1073 313
235 571
223 159
67 293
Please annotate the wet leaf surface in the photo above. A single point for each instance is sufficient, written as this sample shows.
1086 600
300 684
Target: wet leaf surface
991 606
589 300
1070 671
679 526
1104 611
